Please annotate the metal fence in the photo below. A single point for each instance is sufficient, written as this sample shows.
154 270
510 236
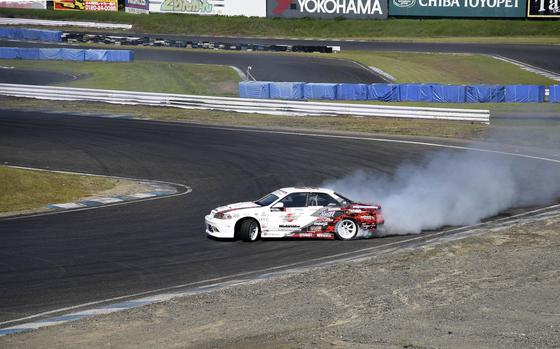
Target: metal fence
242 105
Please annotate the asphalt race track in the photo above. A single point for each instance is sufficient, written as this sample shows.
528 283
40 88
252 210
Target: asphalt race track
33 77
265 67
542 56
54 261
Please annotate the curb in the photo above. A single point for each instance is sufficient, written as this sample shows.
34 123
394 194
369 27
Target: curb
157 190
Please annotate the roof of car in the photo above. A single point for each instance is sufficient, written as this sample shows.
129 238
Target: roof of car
306 189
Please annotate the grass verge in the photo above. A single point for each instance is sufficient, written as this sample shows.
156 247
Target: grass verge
446 68
22 190
143 76
405 127
314 28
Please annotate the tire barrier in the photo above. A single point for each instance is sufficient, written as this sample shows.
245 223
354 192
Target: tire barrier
31 34
74 37
429 93
66 54
242 105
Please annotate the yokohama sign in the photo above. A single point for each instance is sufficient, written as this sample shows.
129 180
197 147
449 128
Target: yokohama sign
327 8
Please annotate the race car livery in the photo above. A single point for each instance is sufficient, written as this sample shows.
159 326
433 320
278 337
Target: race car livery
296 213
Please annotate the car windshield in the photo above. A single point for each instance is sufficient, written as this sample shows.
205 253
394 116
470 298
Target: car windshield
343 200
266 200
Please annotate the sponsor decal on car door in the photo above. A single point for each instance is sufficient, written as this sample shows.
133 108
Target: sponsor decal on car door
294 215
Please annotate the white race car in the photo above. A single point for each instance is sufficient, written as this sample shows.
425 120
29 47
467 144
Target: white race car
295 213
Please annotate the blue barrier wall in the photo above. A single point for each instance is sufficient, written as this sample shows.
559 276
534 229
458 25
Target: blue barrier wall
8 52
524 94
485 94
28 53
554 94
437 93
319 91
448 93
352 92
286 90
254 89
66 54
416 92
30 34
383 92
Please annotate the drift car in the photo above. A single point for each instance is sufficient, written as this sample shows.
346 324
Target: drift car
295 213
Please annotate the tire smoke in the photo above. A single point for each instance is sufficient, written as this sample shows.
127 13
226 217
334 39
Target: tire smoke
452 189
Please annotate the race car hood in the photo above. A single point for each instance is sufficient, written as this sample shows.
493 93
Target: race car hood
236 207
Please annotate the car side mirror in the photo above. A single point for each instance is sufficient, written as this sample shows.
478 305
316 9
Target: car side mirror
279 206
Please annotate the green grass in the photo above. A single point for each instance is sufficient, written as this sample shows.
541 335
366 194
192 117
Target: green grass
446 68
25 189
323 28
143 76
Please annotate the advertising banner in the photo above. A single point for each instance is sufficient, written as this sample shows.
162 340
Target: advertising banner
544 8
370 9
249 8
459 8
87 5
137 6
31 4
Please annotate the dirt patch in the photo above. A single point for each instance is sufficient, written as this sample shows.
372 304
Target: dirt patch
495 290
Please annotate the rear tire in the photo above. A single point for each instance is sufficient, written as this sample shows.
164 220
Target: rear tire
346 229
249 230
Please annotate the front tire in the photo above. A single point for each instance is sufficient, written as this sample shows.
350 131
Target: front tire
346 229
249 230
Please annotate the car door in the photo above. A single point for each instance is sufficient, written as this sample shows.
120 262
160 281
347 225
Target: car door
291 217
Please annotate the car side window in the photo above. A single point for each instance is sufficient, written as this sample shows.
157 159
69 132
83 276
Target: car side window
295 200
321 199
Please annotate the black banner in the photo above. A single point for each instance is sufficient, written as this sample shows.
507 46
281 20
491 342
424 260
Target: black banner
544 8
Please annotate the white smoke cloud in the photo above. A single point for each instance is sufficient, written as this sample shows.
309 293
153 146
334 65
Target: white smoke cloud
452 189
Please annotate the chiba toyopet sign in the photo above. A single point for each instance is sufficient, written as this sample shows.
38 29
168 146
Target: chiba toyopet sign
373 9
544 8
249 8
458 8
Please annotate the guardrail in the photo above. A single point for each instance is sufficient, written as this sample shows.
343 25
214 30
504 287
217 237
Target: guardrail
242 105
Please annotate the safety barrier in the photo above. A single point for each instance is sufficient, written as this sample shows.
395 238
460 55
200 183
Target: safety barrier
554 94
30 34
272 107
431 93
66 54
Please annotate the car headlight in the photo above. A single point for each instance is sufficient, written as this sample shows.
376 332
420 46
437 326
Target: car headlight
222 215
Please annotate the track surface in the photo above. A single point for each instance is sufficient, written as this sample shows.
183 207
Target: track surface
49 262
542 56
33 77
265 67
54 261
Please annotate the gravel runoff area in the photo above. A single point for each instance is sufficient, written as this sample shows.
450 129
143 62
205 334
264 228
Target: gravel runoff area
496 289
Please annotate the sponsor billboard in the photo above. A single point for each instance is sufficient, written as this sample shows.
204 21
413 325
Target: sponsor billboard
458 8
137 6
249 8
33 4
87 5
371 9
544 8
